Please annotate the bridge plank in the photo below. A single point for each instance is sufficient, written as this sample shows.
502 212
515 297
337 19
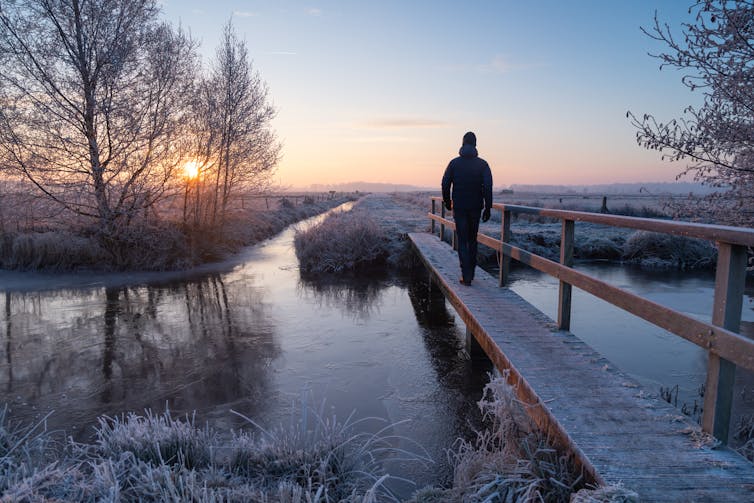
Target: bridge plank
616 430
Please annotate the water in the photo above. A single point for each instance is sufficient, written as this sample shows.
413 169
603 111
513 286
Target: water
248 335
655 357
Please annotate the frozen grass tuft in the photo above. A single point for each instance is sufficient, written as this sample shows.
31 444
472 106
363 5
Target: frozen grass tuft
324 456
342 241
155 439
511 460
606 494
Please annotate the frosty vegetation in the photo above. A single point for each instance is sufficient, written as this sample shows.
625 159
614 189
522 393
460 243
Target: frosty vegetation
716 140
343 241
376 234
318 458
115 136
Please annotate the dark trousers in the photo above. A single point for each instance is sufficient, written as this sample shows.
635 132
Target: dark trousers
467 226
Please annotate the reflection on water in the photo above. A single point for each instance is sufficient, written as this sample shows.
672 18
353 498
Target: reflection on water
251 337
113 349
357 296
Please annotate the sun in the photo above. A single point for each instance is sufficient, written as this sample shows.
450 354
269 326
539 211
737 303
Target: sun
191 170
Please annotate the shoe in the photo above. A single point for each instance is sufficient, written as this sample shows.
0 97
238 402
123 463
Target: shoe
464 282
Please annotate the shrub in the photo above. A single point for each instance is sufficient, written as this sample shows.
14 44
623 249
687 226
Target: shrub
668 251
342 241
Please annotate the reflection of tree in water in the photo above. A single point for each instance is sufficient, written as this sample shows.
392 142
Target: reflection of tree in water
8 334
358 296
192 345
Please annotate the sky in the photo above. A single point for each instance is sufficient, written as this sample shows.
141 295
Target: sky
383 91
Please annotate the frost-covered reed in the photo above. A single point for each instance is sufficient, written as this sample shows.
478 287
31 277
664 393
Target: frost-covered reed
155 457
509 460
342 241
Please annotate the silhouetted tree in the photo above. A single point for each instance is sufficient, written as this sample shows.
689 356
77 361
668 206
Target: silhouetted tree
93 97
716 52
235 145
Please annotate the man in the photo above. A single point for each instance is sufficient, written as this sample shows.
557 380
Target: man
471 180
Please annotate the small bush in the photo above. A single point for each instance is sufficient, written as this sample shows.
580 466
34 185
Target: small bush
666 251
598 248
343 241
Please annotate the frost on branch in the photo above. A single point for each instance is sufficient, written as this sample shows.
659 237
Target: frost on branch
716 139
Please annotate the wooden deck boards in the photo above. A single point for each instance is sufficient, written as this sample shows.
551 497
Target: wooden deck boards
615 429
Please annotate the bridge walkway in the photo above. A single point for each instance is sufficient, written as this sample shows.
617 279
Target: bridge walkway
618 432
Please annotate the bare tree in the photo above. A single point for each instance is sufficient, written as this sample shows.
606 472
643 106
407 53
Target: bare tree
235 145
716 139
93 101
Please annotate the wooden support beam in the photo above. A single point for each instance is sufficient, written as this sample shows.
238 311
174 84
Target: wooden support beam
442 225
726 313
433 212
566 259
505 237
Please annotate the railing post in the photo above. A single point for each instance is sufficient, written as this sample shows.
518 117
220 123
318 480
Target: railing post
442 226
726 312
433 212
566 258
505 237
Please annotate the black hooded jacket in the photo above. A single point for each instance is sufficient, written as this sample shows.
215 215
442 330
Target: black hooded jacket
471 179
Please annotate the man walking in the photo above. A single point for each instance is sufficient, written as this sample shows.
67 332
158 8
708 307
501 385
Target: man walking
471 180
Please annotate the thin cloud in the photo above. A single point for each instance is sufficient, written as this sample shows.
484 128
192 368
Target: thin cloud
281 53
381 139
403 123
244 13
498 65
314 11
501 65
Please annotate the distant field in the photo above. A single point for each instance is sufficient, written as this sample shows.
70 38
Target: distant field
641 205
651 205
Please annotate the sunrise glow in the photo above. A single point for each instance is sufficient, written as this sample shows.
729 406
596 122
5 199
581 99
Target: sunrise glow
191 170
548 107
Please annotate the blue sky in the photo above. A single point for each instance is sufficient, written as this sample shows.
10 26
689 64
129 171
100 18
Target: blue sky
383 91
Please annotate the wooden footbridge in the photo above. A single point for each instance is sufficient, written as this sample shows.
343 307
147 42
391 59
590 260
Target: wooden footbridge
617 432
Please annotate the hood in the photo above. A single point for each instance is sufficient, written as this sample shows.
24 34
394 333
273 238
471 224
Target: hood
468 151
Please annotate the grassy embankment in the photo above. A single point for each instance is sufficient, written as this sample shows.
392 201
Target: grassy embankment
159 244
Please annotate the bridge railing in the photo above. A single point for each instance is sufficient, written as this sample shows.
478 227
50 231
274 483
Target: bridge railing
726 349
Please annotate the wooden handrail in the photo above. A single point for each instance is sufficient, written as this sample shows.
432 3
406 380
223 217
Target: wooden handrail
726 348
710 232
